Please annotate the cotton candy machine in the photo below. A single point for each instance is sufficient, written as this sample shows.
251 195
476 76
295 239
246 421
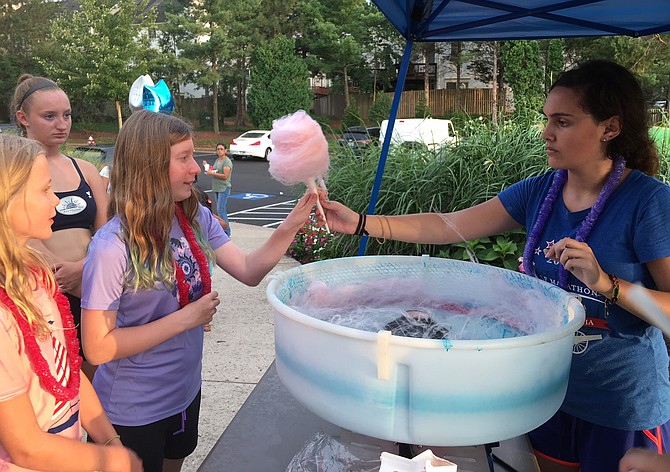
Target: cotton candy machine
438 392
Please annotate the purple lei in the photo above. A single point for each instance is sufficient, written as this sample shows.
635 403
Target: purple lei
586 226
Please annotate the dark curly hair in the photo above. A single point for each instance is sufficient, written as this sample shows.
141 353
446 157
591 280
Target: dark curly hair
608 89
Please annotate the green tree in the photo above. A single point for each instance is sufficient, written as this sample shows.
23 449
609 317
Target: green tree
170 63
383 46
205 45
100 49
648 57
254 21
554 62
279 82
487 66
24 30
460 54
524 73
332 43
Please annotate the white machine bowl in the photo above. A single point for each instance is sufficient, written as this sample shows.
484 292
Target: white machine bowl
423 391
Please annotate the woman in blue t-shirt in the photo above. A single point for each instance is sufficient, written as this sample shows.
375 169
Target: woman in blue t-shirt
597 224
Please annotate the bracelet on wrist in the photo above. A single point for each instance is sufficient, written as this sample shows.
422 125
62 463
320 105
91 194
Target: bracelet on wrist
109 441
360 227
615 291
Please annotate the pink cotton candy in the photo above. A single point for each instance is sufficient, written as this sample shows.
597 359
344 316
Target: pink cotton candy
300 151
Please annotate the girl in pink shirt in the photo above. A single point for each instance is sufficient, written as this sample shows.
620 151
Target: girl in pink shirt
44 399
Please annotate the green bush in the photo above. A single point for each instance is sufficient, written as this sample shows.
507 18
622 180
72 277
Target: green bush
380 109
351 118
489 159
310 243
415 180
505 251
422 110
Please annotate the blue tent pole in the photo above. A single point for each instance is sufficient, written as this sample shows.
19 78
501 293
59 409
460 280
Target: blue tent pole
404 66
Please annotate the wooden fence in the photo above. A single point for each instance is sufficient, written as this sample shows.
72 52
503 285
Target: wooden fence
657 117
442 102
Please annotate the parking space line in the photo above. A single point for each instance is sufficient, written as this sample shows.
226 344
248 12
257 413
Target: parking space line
273 205
275 213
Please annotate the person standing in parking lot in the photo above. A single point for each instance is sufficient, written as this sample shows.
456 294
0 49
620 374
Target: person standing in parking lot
221 173
43 112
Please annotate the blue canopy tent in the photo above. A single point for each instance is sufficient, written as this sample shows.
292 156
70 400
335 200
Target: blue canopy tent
495 20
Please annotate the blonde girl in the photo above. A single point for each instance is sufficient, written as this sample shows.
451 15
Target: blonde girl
44 399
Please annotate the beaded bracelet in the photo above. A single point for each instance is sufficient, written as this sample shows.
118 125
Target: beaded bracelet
615 291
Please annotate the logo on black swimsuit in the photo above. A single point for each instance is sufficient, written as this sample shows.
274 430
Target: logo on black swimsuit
71 205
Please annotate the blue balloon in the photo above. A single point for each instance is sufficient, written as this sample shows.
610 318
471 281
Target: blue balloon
157 98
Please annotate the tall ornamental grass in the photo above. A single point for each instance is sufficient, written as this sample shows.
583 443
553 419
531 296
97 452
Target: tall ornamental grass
488 159
661 136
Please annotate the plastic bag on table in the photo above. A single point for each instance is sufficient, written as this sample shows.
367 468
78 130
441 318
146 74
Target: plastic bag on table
325 453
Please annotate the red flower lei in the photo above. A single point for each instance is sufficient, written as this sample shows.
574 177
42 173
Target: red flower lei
182 284
37 361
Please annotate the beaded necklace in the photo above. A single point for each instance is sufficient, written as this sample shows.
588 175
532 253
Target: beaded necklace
39 365
182 284
584 229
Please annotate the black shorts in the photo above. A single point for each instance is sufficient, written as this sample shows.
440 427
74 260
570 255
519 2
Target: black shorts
172 438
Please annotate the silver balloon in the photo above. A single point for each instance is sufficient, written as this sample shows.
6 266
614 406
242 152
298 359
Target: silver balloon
135 100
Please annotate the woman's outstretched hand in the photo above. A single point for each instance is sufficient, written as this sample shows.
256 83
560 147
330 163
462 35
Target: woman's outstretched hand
339 217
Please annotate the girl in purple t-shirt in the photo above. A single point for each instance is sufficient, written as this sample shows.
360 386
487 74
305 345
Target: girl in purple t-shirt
147 288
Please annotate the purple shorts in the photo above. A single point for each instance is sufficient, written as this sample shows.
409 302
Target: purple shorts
567 440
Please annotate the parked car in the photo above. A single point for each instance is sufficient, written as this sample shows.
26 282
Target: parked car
102 153
421 133
9 128
663 104
359 138
255 143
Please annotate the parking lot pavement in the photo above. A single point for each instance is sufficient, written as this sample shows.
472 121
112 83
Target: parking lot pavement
268 216
240 347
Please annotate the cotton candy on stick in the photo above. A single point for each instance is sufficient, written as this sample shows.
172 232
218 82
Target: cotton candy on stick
300 153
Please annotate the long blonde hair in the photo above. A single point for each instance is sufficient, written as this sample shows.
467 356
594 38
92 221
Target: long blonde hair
141 195
20 266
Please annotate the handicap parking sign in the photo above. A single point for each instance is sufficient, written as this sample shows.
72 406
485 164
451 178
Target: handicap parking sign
251 196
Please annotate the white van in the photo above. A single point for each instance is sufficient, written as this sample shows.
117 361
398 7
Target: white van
432 133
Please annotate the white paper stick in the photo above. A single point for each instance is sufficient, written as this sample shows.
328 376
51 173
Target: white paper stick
311 184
